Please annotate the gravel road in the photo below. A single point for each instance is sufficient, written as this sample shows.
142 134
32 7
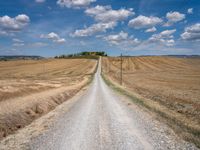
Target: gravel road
103 120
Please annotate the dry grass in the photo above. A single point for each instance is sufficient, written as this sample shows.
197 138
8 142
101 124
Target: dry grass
169 86
31 88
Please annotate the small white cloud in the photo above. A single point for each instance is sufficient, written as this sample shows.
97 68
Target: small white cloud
95 28
22 19
117 38
169 42
167 33
173 17
121 38
144 22
190 11
40 1
62 40
74 3
17 40
164 37
192 33
153 29
54 37
107 14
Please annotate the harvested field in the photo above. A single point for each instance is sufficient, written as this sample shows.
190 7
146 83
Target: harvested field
31 88
168 85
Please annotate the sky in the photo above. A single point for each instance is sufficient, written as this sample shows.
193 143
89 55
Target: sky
132 27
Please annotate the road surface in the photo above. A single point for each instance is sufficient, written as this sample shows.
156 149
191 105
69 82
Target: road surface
101 120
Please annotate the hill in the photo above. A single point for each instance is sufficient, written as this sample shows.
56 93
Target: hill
18 57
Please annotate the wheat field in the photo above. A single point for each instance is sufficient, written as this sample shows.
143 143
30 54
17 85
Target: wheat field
31 88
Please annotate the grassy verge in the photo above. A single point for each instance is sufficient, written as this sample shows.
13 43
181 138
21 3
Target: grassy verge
188 131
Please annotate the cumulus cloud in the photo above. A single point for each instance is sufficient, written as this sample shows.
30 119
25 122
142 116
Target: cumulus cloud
106 18
54 37
74 3
153 29
192 33
164 37
8 24
120 39
17 40
117 38
40 1
144 22
190 11
107 14
174 17
95 28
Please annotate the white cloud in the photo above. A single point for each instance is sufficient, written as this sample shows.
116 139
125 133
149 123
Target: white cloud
164 37
95 28
54 37
167 33
117 38
106 18
153 29
74 3
190 11
62 40
192 33
174 17
144 22
40 1
8 24
107 14
121 38
17 40
22 19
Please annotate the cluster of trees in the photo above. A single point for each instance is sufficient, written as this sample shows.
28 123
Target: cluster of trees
85 54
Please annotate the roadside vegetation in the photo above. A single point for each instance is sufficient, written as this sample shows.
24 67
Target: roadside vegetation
168 86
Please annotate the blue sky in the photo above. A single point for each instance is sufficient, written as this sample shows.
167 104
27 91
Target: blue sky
136 27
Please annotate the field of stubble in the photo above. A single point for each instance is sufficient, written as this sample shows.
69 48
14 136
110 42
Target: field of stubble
31 88
167 85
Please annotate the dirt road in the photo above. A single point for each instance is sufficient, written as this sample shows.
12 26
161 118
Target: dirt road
102 119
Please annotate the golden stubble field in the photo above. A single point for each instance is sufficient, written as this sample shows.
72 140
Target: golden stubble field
31 88
167 85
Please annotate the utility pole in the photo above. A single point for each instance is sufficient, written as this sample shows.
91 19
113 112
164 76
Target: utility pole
44 69
121 71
